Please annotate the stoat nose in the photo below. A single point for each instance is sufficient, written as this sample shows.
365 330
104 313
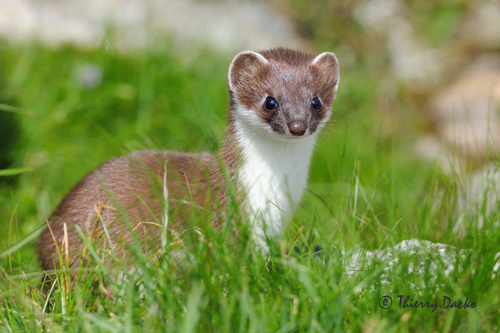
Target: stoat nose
297 128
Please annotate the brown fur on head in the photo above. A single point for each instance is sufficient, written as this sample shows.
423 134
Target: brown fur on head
293 79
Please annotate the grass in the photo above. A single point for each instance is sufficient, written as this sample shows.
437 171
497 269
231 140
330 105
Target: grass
367 191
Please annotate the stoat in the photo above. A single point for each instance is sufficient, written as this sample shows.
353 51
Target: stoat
279 101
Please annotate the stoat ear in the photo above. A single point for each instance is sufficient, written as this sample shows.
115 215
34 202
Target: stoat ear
327 66
243 67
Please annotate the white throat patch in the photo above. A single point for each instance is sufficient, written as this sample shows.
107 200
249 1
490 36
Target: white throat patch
273 173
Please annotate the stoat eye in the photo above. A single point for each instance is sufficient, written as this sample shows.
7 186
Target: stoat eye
271 104
316 104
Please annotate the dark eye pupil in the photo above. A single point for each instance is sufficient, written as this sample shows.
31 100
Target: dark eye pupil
316 104
271 104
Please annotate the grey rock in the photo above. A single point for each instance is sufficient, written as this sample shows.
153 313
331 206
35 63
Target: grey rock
466 112
226 26
479 200
426 258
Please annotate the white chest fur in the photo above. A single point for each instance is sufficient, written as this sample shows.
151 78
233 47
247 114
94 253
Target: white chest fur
274 175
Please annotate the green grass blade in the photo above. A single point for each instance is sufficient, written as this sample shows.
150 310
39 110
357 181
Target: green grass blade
13 248
13 109
13 172
193 309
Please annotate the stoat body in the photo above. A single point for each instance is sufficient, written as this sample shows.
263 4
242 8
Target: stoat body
279 101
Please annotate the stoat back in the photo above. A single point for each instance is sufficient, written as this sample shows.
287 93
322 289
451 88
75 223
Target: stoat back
129 189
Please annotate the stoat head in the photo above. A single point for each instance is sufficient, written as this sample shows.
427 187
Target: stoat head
281 93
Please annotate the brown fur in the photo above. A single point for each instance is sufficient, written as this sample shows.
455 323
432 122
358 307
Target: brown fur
132 184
